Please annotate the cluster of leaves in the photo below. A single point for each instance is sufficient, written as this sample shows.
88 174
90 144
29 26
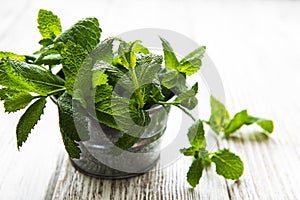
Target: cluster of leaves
115 87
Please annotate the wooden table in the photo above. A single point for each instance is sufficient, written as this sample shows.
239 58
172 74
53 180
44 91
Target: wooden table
256 48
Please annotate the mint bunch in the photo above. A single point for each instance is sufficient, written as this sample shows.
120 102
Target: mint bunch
118 85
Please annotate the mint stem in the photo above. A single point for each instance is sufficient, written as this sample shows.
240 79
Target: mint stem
186 112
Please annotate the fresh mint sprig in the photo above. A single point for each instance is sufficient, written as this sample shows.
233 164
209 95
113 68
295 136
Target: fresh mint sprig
125 84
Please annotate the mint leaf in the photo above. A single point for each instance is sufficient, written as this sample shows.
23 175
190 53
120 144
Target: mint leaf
195 172
228 164
126 53
149 59
191 151
12 55
103 93
126 141
171 61
68 118
73 56
196 135
18 101
174 80
49 24
29 119
188 98
21 76
219 115
85 33
104 51
190 64
242 118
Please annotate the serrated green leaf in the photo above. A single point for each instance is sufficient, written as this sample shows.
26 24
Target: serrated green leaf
73 56
126 53
104 51
188 98
174 80
49 24
191 151
85 33
126 141
171 61
103 93
29 119
195 172
73 125
21 76
242 118
149 59
228 165
18 101
219 115
196 135
190 64
12 55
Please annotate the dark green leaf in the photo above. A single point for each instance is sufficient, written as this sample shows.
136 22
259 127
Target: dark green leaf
228 164
19 75
104 51
85 33
29 119
73 56
188 98
171 61
174 80
126 141
73 124
49 24
219 115
195 172
192 62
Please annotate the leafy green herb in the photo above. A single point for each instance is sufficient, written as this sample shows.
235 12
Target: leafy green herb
11 55
120 83
29 119
49 24
73 56
220 119
228 164
195 172
219 115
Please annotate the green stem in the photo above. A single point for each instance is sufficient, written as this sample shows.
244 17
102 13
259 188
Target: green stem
136 84
50 93
186 112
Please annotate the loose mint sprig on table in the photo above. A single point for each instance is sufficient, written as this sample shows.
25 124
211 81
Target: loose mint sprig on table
27 81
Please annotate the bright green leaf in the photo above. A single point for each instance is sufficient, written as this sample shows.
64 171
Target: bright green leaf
195 172
19 75
171 61
19 101
12 55
242 118
219 115
196 135
49 24
228 165
190 64
85 33
73 56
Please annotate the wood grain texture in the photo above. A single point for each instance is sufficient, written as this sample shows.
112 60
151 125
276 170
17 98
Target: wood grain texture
256 48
